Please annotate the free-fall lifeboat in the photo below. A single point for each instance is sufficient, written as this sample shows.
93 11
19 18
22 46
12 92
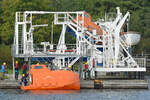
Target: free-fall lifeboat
41 78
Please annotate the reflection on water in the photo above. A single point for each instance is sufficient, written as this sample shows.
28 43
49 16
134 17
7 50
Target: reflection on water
46 92
84 94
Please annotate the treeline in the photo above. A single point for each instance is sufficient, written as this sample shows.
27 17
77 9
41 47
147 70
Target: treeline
139 9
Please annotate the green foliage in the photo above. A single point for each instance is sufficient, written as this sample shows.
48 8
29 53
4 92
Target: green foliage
139 9
5 55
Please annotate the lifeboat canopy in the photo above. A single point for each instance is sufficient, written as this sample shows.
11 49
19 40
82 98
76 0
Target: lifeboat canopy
131 38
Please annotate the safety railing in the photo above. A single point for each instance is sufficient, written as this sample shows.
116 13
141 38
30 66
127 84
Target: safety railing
52 49
141 62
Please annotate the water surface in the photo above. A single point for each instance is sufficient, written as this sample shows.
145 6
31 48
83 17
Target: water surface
83 94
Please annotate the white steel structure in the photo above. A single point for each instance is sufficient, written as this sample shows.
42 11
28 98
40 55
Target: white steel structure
107 51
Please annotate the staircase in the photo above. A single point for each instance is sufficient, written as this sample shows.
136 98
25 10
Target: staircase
73 61
20 39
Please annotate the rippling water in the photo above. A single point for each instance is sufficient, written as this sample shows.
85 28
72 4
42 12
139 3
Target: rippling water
85 94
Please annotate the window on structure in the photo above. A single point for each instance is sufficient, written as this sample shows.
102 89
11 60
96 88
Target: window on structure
38 67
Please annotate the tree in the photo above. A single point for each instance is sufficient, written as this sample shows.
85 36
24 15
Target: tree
139 9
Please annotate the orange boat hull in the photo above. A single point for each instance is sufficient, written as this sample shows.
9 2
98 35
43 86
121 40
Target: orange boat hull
44 79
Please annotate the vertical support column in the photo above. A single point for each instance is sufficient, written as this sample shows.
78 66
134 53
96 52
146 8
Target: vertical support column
31 33
78 38
117 43
29 62
13 63
24 35
16 33
104 52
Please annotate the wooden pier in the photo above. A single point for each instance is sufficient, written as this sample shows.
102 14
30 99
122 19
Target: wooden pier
9 84
114 84
91 84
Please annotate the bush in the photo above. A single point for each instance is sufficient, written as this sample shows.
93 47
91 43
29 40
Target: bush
5 55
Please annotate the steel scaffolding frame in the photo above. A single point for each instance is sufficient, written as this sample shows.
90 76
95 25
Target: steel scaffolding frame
112 53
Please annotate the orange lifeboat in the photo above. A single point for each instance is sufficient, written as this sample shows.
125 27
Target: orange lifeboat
41 78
